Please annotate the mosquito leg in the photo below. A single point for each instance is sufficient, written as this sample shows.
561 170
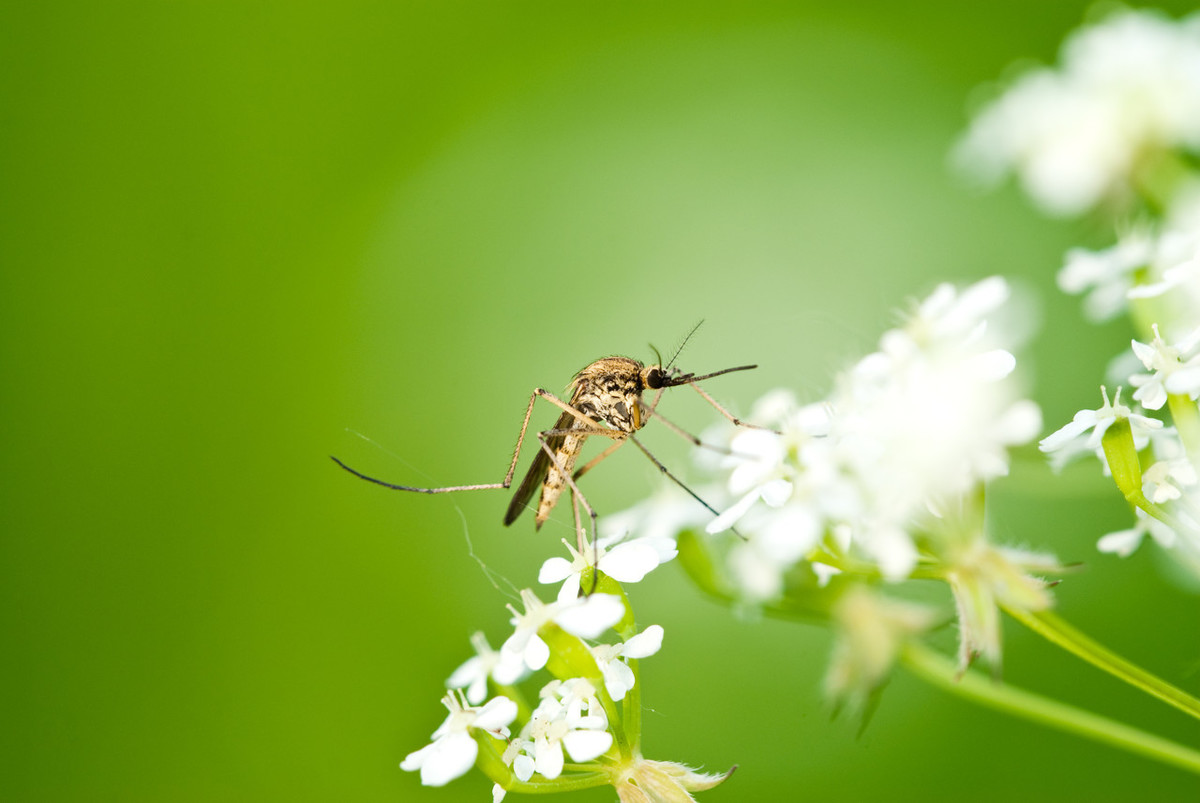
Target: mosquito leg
446 490
512 466
578 524
579 472
679 482
570 481
736 421
689 437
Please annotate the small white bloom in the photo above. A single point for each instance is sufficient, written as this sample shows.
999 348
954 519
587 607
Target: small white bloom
473 674
1124 543
453 750
586 617
1173 372
1074 438
1106 276
618 677
569 717
1126 88
627 562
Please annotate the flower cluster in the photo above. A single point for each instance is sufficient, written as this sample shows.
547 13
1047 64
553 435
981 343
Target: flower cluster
1119 121
881 481
1104 123
585 728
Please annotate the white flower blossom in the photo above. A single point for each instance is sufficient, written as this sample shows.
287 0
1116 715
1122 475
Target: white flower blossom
453 750
618 677
472 675
1172 371
1124 543
1085 432
569 717
1107 276
586 617
1076 135
626 562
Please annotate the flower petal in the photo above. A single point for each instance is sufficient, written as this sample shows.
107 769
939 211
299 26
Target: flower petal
584 745
644 644
591 616
555 570
629 562
450 758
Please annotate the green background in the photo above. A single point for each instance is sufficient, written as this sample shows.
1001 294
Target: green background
239 237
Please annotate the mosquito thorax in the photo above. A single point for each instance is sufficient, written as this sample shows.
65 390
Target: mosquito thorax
610 390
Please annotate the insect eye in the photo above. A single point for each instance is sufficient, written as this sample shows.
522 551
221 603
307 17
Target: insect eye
654 379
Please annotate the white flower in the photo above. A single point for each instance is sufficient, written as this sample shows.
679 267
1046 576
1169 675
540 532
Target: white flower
453 750
1107 276
1126 88
586 617
927 417
1172 372
1124 543
618 677
569 717
473 674
627 562
1074 438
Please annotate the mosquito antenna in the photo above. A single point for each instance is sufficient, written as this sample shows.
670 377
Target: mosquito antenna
657 356
687 337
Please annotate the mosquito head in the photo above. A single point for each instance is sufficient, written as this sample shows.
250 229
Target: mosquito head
653 377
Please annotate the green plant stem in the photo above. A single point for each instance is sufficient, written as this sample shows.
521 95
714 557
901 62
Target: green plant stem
943 673
1186 416
1056 630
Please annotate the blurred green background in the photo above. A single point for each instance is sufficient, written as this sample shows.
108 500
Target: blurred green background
240 237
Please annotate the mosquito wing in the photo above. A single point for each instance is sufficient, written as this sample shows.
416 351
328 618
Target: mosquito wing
538 470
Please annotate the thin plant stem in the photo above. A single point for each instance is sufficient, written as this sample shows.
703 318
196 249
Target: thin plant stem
1058 631
943 673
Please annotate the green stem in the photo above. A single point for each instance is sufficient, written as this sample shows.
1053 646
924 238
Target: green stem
1056 630
943 673
1186 416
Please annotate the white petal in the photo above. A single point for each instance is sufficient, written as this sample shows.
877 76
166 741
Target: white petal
1144 352
1185 380
510 669
416 758
498 793
629 562
523 767
776 492
644 644
586 745
1063 436
570 588
537 652
591 616
555 570
618 678
1121 542
466 674
451 757
824 572
992 366
731 515
548 758
498 713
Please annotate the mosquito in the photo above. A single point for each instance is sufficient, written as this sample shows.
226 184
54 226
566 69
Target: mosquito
605 402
